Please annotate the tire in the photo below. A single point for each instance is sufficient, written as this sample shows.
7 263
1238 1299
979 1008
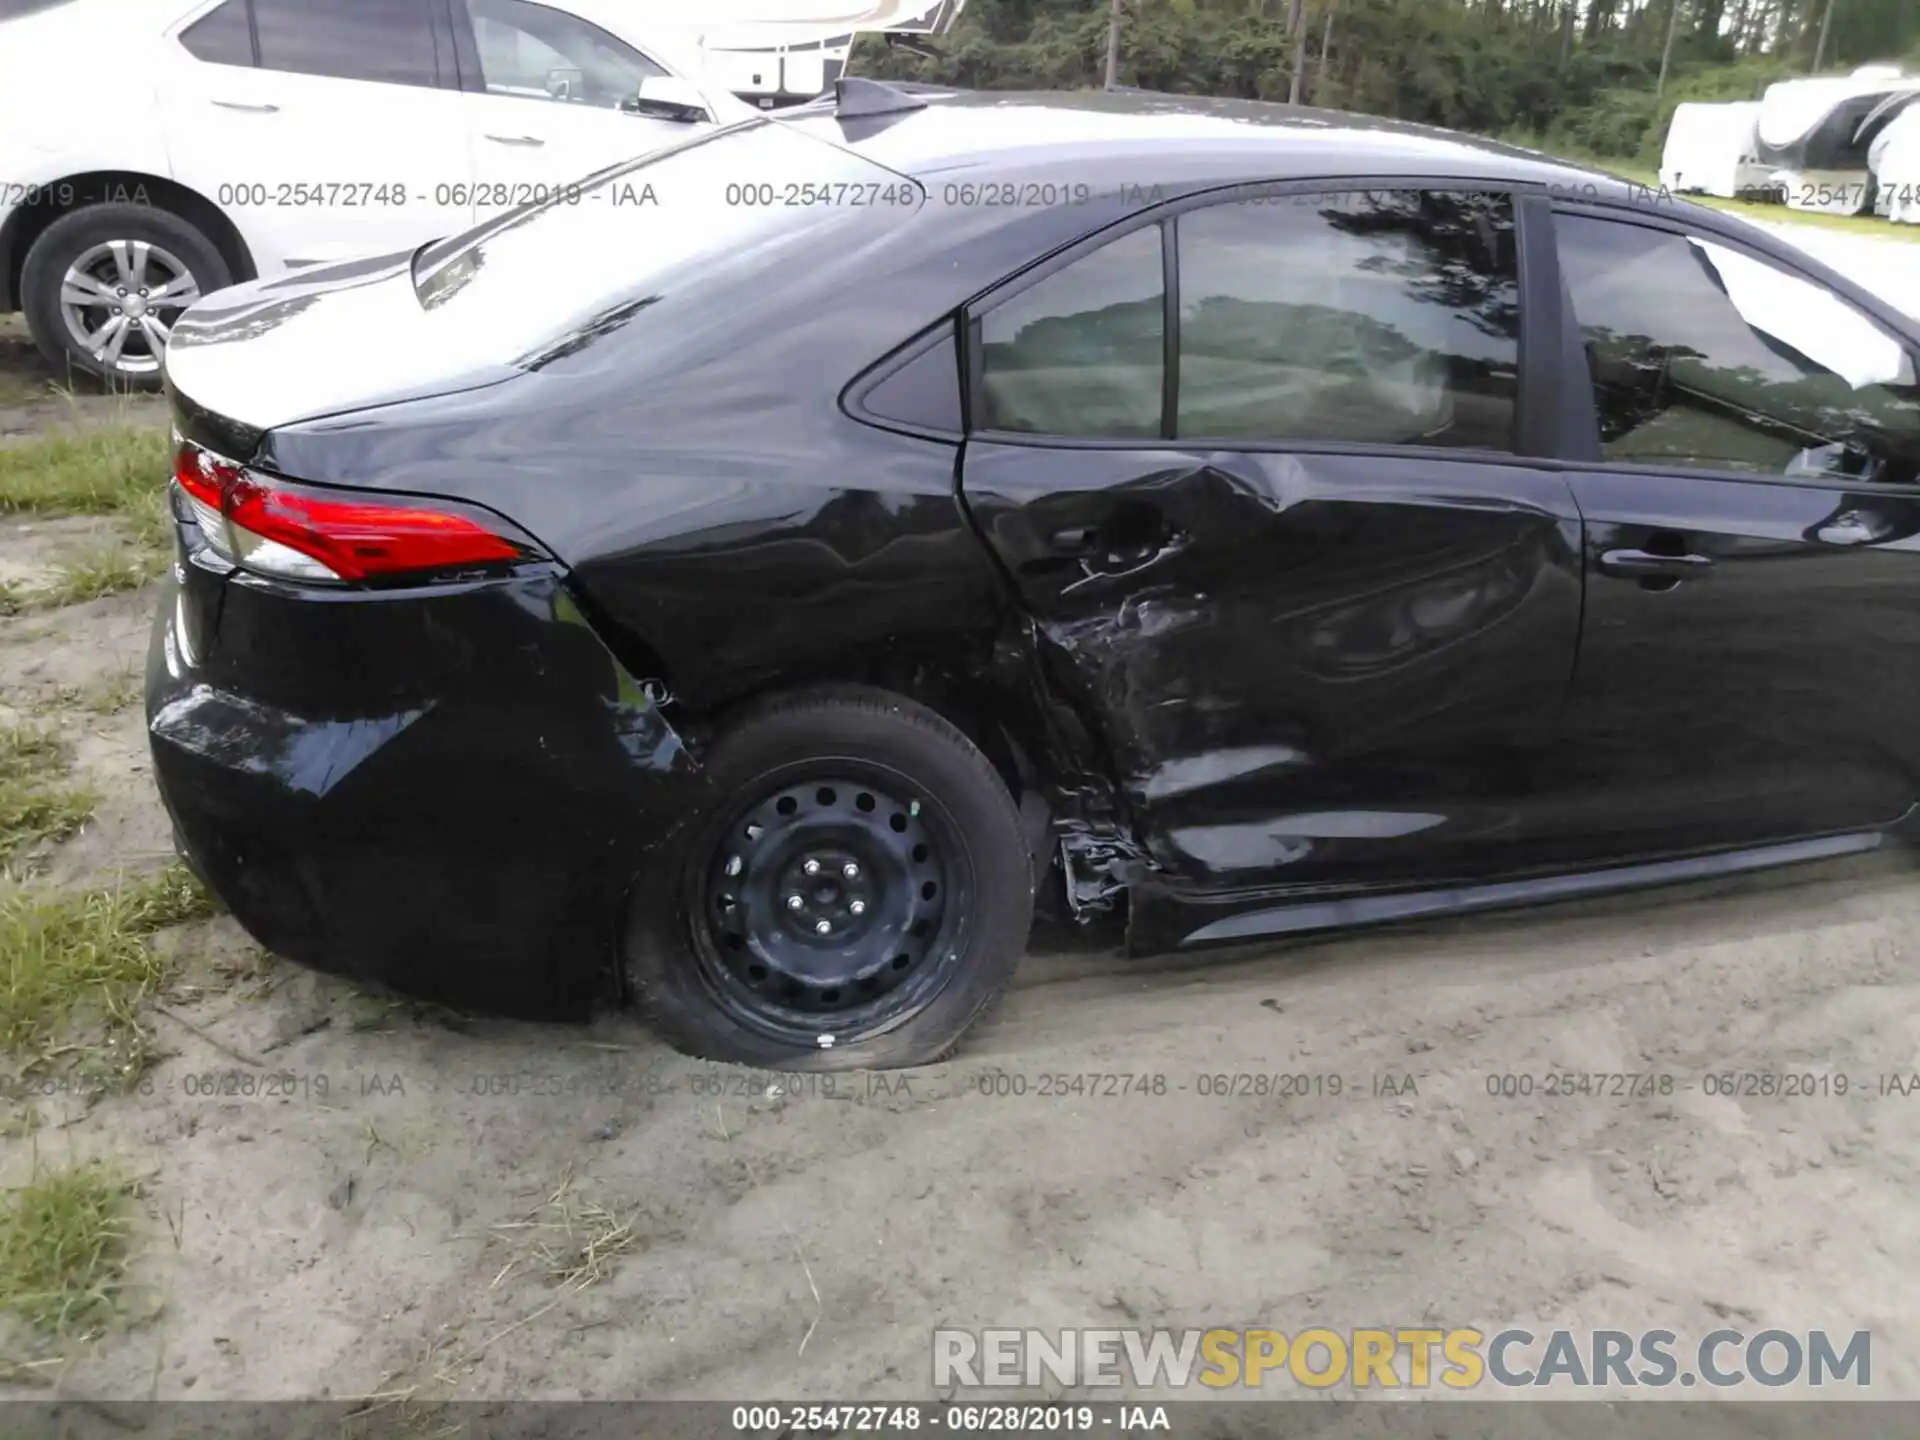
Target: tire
861 782
85 241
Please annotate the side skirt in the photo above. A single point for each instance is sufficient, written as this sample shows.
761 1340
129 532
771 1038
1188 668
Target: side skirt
1168 919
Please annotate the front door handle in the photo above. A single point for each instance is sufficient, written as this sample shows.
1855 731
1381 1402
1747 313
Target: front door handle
249 109
534 140
1645 565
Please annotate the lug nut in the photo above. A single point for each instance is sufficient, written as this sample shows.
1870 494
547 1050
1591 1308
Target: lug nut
822 927
812 867
794 902
850 870
858 907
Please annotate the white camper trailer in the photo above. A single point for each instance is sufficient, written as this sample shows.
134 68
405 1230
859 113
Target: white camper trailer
784 52
1714 150
1895 159
1815 134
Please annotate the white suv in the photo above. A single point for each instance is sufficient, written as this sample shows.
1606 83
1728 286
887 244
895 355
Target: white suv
242 138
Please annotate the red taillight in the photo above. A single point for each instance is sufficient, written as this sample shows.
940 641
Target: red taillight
301 535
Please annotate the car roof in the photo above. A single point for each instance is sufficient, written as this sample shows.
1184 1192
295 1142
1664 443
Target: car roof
1123 137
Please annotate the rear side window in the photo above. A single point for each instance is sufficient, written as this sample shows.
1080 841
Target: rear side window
390 41
222 36
1083 351
1703 356
546 54
1381 317
1365 317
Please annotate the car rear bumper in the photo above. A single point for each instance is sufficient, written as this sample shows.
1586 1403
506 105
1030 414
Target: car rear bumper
445 791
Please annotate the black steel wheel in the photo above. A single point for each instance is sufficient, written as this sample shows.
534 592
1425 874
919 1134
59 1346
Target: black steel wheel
836 897
857 895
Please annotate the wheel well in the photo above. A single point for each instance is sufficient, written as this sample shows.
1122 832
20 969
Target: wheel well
75 192
961 683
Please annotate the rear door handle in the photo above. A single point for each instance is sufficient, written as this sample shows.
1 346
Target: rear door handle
1643 564
249 109
516 139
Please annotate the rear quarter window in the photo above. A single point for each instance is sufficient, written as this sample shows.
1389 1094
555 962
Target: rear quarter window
222 36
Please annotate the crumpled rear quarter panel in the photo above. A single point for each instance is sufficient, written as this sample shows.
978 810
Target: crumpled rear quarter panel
441 790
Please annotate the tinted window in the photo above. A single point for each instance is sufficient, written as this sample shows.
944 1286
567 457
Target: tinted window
1081 352
1381 317
221 36
386 40
544 54
1702 355
924 391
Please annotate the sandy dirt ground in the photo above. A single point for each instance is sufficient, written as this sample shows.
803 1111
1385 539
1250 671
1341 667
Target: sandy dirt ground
346 1195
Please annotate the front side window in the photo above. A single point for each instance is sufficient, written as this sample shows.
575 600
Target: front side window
1360 317
1703 356
1083 351
390 41
221 36
541 53
1369 316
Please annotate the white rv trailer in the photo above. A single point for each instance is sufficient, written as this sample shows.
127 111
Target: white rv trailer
785 52
1815 134
1714 150
1895 159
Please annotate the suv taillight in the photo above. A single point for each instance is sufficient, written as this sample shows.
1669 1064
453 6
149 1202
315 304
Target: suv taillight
262 523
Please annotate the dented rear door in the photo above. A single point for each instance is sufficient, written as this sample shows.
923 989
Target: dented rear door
1258 471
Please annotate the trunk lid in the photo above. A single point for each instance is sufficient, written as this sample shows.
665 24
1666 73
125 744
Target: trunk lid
528 287
319 342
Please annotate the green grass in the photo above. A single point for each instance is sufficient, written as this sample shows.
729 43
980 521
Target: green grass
64 1248
111 694
37 804
93 574
106 570
63 956
105 696
117 469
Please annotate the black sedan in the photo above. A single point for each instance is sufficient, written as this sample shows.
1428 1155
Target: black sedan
745 582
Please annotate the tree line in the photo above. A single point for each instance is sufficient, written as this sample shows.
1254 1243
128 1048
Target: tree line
1585 77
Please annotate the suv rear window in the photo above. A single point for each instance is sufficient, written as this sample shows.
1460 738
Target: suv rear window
719 214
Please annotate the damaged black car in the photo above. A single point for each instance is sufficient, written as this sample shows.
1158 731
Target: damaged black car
744 583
